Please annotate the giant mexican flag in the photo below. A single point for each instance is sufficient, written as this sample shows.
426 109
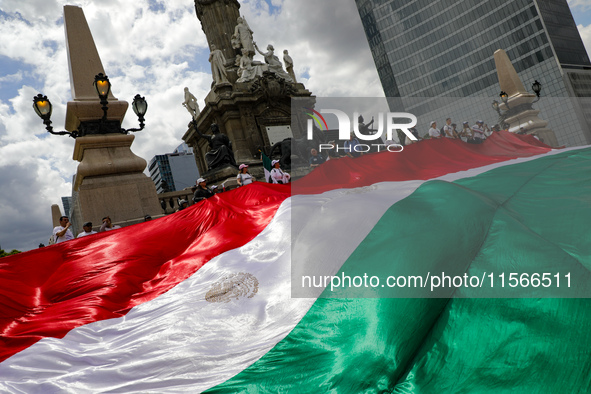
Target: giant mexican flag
202 300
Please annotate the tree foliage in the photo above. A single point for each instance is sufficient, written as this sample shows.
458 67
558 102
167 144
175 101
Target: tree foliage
4 254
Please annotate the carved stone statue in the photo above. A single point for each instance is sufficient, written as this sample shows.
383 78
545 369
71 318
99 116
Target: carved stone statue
217 60
242 38
275 65
246 70
285 152
289 64
220 152
191 104
365 128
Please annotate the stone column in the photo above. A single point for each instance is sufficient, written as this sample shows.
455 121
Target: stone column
218 20
110 179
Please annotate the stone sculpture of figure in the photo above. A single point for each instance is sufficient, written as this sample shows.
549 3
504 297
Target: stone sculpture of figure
243 36
365 128
220 152
288 64
217 60
285 152
191 104
247 71
273 62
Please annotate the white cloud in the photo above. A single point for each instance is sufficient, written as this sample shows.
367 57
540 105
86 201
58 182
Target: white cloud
583 4
16 77
585 32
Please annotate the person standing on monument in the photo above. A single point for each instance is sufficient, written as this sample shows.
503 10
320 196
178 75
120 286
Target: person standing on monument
87 227
478 132
108 225
315 159
243 178
202 191
433 132
277 175
217 60
182 205
62 232
289 64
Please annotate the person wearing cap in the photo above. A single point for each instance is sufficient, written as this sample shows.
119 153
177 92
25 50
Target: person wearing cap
108 225
62 232
477 133
182 205
243 178
87 227
277 175
433 132
202 191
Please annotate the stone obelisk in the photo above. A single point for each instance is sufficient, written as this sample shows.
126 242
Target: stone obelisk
110 179
519 111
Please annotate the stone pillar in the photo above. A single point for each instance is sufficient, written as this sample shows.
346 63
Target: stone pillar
519 111
218 20
110 179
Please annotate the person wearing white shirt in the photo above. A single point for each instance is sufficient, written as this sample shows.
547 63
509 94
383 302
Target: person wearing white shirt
448 130
277 175
478 132
62 232
243 178
87 227
433 132
466 133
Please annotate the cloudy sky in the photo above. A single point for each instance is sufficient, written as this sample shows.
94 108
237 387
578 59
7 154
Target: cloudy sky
155 48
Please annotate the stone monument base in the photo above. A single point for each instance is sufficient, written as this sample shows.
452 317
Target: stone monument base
546 136
125 198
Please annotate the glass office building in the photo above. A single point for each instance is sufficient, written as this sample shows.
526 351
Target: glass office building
444 48
174 171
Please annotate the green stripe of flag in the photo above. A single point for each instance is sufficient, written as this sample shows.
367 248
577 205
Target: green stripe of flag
531 217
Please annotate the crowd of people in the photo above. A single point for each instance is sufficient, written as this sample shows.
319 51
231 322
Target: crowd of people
63 232
474 134
201 191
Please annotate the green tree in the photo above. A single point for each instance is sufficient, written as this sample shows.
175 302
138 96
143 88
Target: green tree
4 254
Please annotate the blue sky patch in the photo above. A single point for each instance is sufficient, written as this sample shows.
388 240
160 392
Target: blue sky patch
13 76
273 9
581 14
156 6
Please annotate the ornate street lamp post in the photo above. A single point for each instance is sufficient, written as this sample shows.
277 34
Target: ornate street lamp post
536 87
43 109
